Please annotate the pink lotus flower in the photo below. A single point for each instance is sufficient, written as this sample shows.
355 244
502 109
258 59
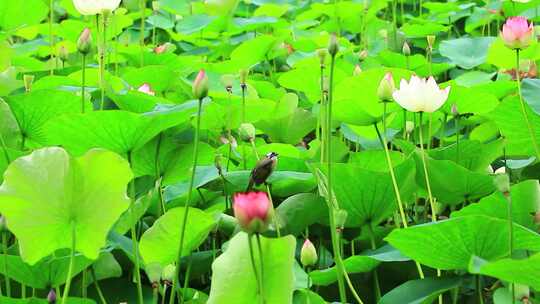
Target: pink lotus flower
252 210
517 33
146 89
420 95
308 254
160 49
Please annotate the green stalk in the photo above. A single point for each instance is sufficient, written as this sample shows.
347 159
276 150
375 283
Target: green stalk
508 197
96 285
134 242
142 4
244 121
457 138
254 266
51 35
175 290
394 20
71 262
162 208
23 290
5 251
524 110
428 186
186 281
102 54
334 237
83 284
155 296
4 149
164 293
259 248
83 81
479 290
443 131
375 274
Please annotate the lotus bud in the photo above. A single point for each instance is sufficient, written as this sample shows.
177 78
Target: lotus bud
160 49
51 297
409 127
217 163
63 53
227 82
321 53
430 41
406 50
502 183
454 110
253 211
517 33
200 85
146 89
386 88
84 43
243 76
333 45
363 55
28 80
168 273
247 132
308 254
340 217
155 6
357 70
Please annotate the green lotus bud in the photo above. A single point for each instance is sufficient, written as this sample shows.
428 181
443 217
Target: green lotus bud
84 44
502 183
333 45
308 254
430 40
340 217
243 76
454 110
200 85
247 132
406 50
357 70
227 81
321 53
63 53
28 80
386 88
168 273
155 6
409 126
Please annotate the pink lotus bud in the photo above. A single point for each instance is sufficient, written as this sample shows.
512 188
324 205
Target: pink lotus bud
252 210
386 87
146 89
308 254
85 41
51 297
517 33
200 85
333 45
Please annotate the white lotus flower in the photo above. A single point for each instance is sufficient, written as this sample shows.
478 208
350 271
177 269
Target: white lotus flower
420 95
93 7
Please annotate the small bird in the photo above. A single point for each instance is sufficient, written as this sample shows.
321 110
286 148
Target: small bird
263 169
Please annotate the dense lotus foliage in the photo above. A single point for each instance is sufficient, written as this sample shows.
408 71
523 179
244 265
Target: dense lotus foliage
269 152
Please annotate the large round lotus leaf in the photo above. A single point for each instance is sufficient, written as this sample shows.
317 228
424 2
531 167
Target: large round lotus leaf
47 194
451 244
159 244
233 280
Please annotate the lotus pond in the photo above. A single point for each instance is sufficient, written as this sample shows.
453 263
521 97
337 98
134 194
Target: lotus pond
269 152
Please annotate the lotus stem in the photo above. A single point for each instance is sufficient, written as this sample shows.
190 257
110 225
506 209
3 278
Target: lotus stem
96 285
5 252
134 242
51 35
254 266
83 82
524 110
186 281
70 267
142 4
188 203
375 274
102 55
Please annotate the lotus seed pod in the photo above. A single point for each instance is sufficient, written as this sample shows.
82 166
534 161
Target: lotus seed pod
28 80
84 43
243 76
227 82
155 6
63 53
333 45
308 254
247 132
